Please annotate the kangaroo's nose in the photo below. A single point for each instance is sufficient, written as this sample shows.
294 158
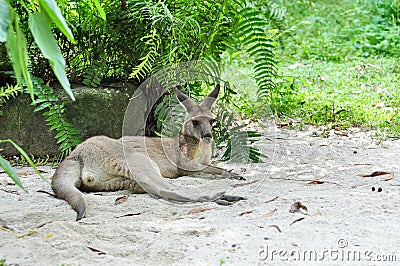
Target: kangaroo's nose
207 137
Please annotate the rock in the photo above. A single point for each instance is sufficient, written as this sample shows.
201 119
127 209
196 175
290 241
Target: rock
96 111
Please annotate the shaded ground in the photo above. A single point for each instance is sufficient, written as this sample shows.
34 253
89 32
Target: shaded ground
345 222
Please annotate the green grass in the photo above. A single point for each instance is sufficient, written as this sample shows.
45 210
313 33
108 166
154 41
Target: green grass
363 92
339 65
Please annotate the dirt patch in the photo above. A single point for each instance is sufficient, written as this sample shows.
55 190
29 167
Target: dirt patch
310 204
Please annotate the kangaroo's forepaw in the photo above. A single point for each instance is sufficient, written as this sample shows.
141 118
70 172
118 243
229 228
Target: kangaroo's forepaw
228 200
238 177
232 175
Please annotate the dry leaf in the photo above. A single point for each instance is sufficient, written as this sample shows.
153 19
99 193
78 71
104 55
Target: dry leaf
10 191
99 252
48 236
340 133
269 214
197 210
121 199
128 215
244 184
376 173
297 206
316 182
390 177
46 192
297 220
246 212
41 225
317 213
273 199
276 227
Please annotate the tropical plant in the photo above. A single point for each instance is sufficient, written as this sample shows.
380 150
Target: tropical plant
8 92
259 39
12 33
130 40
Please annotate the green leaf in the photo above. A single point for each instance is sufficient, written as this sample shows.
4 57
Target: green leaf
50 112
12 50
52 10
60 134
23 153
42 106
5 21
47 44
100 9
62 139
10 171
22 55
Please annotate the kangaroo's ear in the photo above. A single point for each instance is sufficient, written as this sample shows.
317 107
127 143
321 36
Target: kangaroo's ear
185 100
211 98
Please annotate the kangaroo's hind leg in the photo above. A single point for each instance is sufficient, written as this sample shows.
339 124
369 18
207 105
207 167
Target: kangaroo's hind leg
147 174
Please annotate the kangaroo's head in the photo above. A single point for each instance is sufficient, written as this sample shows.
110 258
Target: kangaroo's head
199 118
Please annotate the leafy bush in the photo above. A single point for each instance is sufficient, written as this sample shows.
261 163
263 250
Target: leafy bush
127 40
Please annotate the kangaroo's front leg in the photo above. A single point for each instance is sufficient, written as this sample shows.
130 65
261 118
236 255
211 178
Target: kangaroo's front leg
214 170
147 175
196 168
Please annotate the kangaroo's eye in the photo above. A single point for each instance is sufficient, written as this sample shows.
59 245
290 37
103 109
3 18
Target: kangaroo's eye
195 122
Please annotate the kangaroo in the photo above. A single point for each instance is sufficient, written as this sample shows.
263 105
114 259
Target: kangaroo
140 164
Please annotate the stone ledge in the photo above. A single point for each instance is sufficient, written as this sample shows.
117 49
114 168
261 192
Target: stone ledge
96 111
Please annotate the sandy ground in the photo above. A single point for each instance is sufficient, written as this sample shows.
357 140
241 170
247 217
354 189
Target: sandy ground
341 220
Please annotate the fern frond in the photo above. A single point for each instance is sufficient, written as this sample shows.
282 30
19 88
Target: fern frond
67 136
142 70
8 92
170 117
239 143
259 44
94 74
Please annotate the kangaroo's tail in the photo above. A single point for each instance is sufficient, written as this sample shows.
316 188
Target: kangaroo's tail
66 181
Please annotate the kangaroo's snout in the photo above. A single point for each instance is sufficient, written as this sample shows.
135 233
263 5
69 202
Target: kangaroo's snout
207 137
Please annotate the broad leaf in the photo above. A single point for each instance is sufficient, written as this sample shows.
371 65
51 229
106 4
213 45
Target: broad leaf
5 20
52 10
47 44
16 47
9 170
100 9
23 153
12 50
23 55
